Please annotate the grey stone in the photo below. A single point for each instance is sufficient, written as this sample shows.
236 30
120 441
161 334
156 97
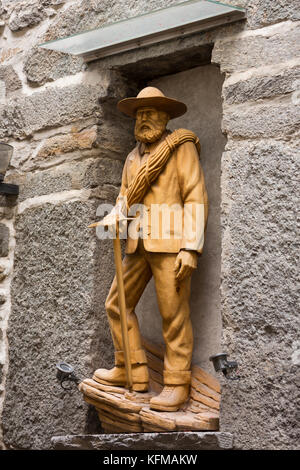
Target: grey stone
25 14
62 275
3 273
41 183
265 120
100 172
4 240
258 87
255 51
10 78
265 12
23 116
92 173
146 441
259 293
43 66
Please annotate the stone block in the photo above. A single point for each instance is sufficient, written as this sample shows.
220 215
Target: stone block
271 119
259 294
62 274
102 173
43 66
10 78
59 144
265 86
243 53
146 441
4 240
23 116
265 12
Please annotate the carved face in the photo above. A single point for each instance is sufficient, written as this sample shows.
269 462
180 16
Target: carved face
150 124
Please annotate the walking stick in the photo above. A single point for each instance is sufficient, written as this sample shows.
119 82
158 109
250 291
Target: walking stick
121 297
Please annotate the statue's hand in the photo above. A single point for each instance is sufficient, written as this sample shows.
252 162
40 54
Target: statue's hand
185 263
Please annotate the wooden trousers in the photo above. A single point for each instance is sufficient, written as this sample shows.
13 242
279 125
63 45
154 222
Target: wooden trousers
173 302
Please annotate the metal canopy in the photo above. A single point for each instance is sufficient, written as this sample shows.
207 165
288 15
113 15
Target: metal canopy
179 20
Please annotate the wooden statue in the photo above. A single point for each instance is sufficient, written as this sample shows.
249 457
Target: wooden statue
163 170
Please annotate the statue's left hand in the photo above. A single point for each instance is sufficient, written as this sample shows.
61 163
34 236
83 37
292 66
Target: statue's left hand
185 263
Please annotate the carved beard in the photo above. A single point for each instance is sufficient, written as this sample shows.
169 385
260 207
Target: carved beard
152 133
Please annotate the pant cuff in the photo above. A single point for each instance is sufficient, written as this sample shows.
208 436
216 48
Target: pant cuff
177 377
137 356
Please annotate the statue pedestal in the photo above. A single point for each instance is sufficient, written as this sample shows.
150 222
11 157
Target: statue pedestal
191 440
121 411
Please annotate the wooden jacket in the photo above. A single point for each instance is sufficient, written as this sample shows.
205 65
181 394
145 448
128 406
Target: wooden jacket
180 187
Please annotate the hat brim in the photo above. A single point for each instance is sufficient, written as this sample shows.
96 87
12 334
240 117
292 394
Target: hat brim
173 107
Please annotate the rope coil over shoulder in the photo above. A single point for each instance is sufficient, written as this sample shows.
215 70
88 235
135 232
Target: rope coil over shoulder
155 163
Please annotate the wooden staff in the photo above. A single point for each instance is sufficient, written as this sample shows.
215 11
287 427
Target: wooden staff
122 306
121 292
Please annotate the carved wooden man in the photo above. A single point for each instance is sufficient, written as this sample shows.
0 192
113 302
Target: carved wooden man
169 255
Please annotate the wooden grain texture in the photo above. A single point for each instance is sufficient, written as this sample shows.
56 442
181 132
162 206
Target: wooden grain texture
121 411
109 429
106 388
119 424
204 399
131 417
161 419
205 378
205 390
117 401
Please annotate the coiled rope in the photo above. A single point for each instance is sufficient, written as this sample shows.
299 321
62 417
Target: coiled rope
155 163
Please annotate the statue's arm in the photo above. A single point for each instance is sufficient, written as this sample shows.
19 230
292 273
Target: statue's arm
194 197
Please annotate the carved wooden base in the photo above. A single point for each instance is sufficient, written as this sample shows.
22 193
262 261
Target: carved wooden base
121 411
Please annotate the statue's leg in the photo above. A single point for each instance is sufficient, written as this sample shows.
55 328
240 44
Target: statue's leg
173 301
136 275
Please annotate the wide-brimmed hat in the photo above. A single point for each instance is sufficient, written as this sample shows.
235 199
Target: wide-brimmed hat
151 96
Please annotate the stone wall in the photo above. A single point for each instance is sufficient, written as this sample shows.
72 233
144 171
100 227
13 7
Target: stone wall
69 145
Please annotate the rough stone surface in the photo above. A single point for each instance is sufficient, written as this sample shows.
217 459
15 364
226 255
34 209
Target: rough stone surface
146 441
259 294
29 13
4 240
271 119
58 296
92 173
254 51
43 66
57 106
265 12
68 143
10 78
266 86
